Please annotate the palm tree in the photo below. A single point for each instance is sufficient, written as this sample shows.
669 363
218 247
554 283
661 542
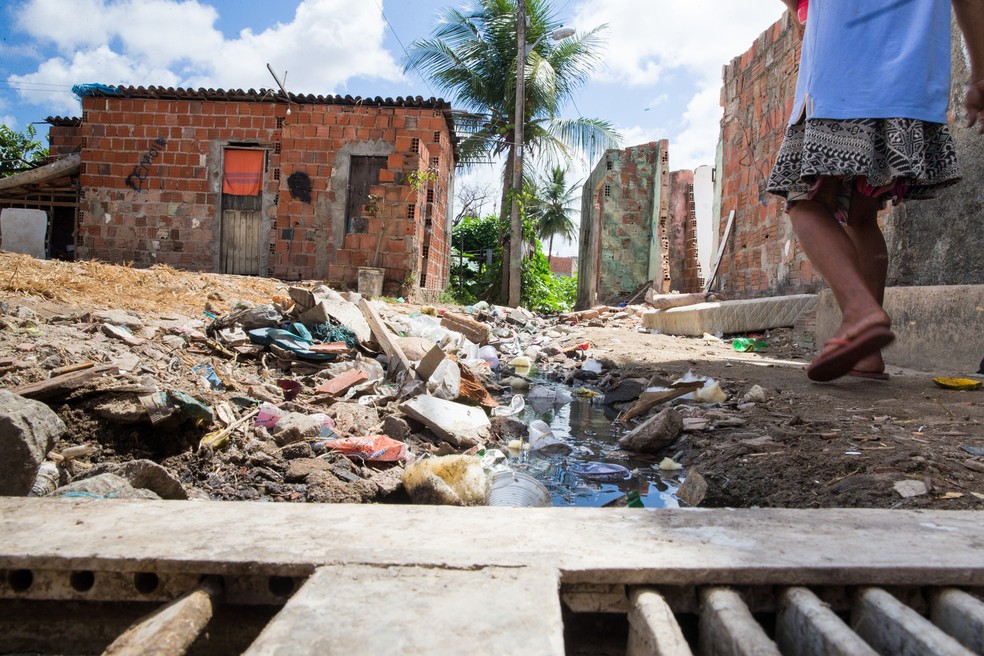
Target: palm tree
472 57
554 200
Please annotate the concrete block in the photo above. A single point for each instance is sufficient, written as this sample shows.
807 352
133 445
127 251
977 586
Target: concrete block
938 328
24 231
729 317
361 609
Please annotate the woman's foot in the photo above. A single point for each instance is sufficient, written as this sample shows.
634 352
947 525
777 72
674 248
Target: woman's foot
853 344
870 366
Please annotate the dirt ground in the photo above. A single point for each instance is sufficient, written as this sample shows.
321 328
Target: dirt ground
850 443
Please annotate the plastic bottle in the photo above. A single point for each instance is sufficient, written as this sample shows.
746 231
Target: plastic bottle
46 481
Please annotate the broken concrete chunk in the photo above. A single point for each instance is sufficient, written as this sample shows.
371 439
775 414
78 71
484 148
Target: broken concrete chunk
654 434
910 488
415 348
342 382
461 425
300 468
28 430
117 317
104 486
308 298
122 334
693 490
344 313
627 389
143 475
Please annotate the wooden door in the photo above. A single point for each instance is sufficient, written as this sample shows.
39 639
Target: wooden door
240 245
363 174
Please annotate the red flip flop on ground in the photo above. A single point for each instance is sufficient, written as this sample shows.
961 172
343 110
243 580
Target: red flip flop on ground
839 355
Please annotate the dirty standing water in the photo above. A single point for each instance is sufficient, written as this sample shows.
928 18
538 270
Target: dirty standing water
578 476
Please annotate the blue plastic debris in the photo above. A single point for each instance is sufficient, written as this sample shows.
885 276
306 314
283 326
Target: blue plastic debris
600 471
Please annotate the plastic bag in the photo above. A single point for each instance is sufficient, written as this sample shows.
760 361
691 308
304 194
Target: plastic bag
445 382
514 408
378 448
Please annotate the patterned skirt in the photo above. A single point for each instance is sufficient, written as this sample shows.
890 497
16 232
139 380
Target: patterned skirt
893 159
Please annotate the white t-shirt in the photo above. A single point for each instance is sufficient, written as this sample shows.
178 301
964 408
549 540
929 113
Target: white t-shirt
875 59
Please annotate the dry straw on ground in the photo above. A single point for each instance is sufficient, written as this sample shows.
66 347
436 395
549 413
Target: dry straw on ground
158 290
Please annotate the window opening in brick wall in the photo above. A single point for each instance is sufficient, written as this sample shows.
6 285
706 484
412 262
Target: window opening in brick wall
363 174
415 145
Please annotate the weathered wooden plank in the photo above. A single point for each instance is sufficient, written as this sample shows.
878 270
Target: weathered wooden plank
806 625
386 341
63 384
170 630
653 629
728 627
960 615
891 627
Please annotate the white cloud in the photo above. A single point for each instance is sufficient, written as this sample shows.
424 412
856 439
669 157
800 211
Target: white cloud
697 143
176 43
688 40
646 39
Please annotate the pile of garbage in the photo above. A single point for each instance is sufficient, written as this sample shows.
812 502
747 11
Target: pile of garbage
314 396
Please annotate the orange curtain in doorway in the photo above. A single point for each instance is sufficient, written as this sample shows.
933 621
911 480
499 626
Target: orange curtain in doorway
243 174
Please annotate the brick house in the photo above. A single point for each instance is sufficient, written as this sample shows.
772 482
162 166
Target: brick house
259 183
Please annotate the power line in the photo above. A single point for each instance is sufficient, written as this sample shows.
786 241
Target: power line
403 47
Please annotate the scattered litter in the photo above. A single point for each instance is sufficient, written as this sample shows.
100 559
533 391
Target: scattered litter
958 383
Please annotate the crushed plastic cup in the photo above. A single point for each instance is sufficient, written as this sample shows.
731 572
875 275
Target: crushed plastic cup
514 408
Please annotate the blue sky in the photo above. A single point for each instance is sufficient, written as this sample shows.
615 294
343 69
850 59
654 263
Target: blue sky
661 77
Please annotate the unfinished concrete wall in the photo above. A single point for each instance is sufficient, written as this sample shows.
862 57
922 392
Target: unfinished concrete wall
761 256
625 213
152 180
941 241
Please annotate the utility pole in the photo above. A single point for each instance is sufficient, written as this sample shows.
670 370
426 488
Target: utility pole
516 221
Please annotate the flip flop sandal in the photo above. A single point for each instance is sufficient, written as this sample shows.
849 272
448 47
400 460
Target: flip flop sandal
843 353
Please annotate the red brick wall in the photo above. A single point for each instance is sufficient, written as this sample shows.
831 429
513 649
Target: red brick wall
64 139
682 232
762 256
172 216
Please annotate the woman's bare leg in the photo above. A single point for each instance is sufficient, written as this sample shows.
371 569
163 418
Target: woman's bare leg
869 244
835 256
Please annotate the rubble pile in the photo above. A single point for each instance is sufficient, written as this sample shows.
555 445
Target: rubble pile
315 396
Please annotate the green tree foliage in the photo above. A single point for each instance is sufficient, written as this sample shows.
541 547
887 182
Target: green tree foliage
554 199
473 58
472 278
20 151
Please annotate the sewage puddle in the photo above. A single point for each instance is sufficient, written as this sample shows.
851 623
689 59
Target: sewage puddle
579 477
